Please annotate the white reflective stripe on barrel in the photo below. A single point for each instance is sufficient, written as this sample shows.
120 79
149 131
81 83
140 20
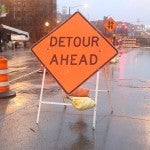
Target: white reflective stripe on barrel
4 83
5 71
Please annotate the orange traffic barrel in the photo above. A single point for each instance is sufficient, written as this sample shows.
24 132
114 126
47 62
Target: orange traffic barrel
4 80
80 92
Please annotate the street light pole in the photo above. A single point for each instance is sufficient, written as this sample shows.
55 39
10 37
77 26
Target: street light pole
69 11
84 5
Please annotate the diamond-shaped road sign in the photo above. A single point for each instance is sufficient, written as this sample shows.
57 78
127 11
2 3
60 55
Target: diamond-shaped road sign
73 52
110 24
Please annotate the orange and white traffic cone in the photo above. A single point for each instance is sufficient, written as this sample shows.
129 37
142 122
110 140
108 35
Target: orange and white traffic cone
4 83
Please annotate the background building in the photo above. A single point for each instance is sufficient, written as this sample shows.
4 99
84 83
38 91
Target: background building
37 17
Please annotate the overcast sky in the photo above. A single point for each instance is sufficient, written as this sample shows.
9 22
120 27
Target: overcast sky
119 10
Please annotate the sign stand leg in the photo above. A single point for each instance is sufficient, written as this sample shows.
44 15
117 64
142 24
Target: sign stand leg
96 97
41 94
110 100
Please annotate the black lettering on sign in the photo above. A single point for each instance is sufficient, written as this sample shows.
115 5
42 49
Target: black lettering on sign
95 40
69 41
54 60
77 41
61 41
93 59
64 59
53 41
110 24
73 59
74 41
83 60
85 42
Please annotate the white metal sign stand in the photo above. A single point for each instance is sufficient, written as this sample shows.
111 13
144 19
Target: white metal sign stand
68 104
43 102
96 96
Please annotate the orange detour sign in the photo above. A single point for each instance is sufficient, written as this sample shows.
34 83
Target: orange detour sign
73 52
110 24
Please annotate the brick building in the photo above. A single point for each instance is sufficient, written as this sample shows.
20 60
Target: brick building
30 16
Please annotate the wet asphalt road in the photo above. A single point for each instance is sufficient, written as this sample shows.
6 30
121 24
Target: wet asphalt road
128 128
